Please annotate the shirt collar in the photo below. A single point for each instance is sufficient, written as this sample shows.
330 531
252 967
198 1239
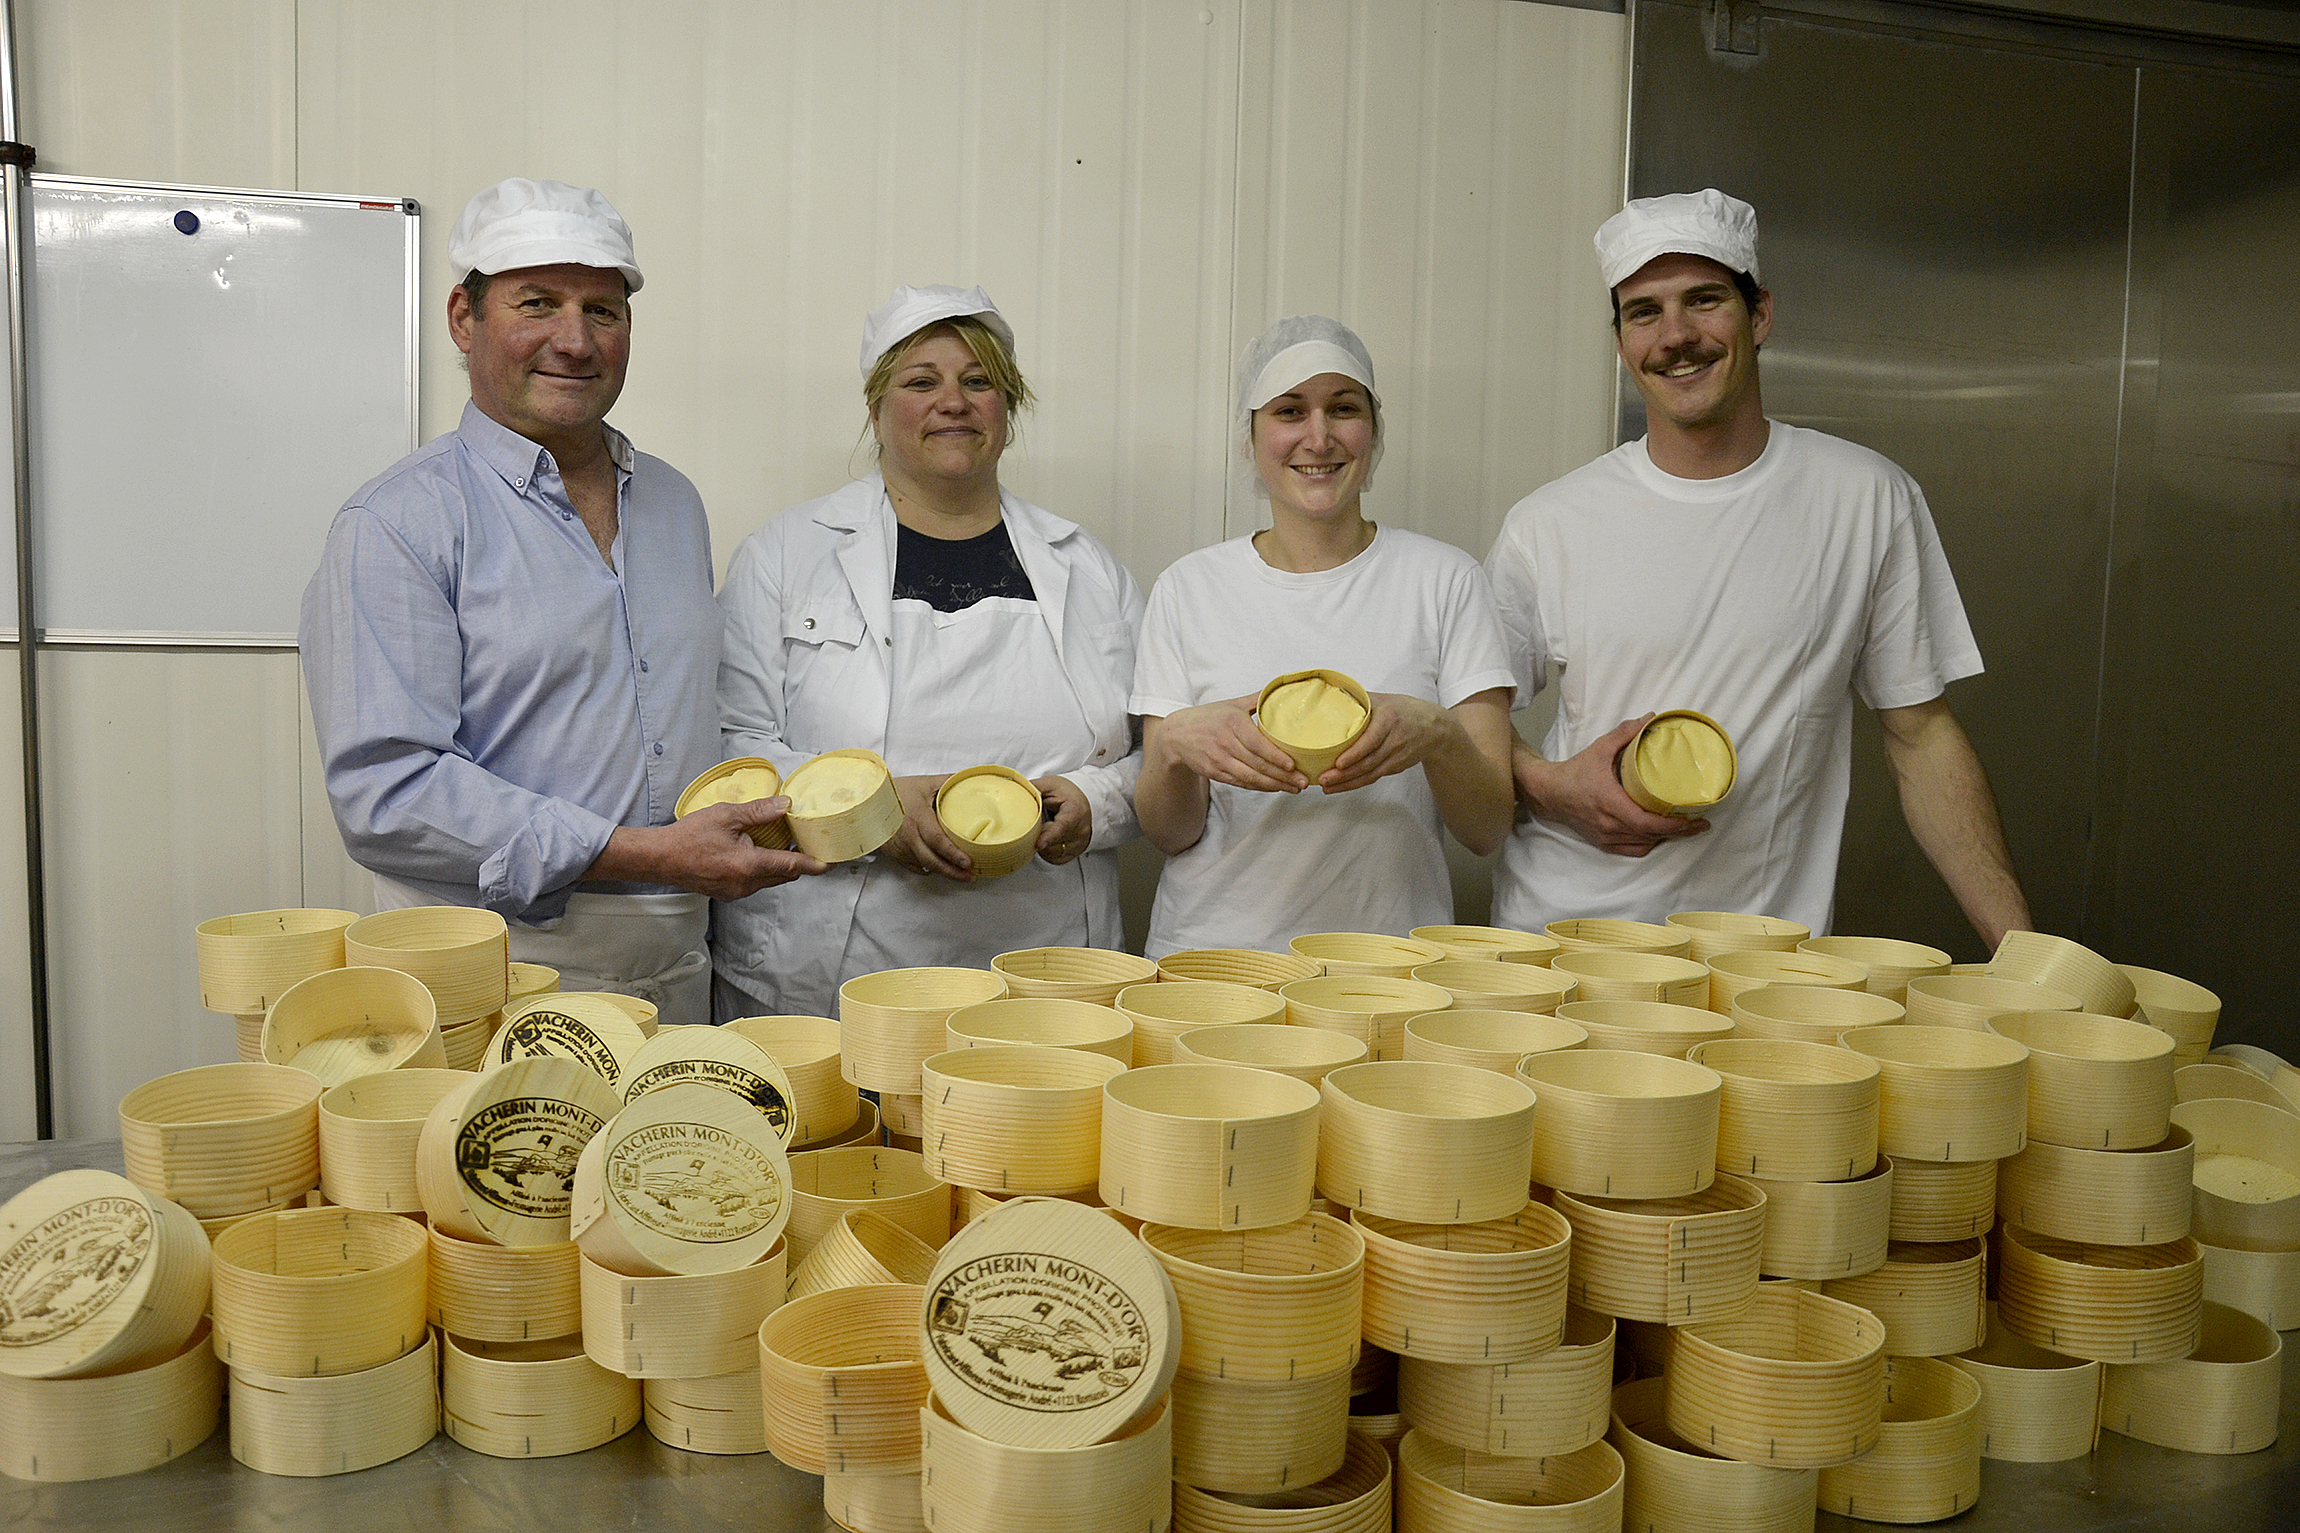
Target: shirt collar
516 458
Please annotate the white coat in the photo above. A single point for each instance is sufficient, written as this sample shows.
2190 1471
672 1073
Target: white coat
808 666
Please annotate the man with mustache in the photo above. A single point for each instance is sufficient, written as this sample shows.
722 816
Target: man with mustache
1760 573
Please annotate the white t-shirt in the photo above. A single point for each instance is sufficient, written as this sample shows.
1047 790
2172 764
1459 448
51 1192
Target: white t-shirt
1766 599
1410 615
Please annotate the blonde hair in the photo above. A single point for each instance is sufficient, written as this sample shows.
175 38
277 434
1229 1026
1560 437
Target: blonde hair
994 355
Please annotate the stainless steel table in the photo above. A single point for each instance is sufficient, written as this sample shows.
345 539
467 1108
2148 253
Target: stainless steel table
636 1482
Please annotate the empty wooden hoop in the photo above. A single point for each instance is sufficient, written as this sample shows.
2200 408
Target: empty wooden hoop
1372 1008
1014 1117
97 1276
1927 1462
1496 942
996 859
368 1130
1732 973
1366 953
1584 934
1790 1111
2102 1197
1633 974
1943 1200
862 1247
1486 984
123 1422
1809 1013
531 1399
2209 1080
1046 1022
313 1291
2116 1304
1796 1381
1237 966
2044 959
875 1503
1554 1403
1308 1054
1622 1123
1890 962
1677 1261
2094 1081
895 1184
2263 1284
1928 1296
970 1484
1430 1142
2247 1174
891 1020
1355 1498
462 954
2221 1398
338 1423
504 1293
723 1415
1209 1146
1672 1484
1445 1489
1489 1292
465 1044
496 1159
344 1023
1260 1437
1269 1304
1946 1093
1970 1000
854 830
2180 1007
824 1103
1488 1040
1090 974
1727 931
1819 1230
2037 1407
1646 1027
841 1380
223 1139
1164 1011
775 835
699 1326
250 960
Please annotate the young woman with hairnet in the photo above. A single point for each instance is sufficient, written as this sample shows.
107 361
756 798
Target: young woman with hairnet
1259 854
927 614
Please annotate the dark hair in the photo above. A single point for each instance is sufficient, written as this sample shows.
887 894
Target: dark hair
475 283
1743 283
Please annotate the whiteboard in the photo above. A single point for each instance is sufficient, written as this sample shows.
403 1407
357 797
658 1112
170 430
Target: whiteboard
206 390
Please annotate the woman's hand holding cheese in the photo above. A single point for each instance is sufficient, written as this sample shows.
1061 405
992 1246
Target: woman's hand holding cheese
1067 835
1220 742
924 843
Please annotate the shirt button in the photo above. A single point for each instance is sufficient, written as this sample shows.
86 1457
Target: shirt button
890 643
519 484
1103 752
566 516
658 748
643 671
810 622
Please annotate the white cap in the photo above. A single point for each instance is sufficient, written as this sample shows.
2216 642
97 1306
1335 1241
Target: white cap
1302 361
912 309
518 222
1706 223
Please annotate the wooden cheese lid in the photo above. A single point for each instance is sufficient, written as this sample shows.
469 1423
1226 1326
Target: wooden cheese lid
96 1276
496 1159
1048 1325
719 1058
685 1179
580 1025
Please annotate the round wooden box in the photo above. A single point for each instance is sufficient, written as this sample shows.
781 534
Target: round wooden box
718 1058
1015 1118
689 1327
1795 1381
1927 1462
496 1158
1590 933
637 1008
1889 962
337 1423
1308 1054
368 1130
775 835
1371 1008
1045 1022
1091 974
2247 1174
1810 1014
1238 966
862 1247
1443 1144
1732 973
1646 1027
1672 1260
2044 959
824 1103
1648 797
531 1399
462 955
891 1020
1356 1498
1554 1403
1209 1146
464 1044
875 1503
2037 1407
223 1139
847 827
1946 1093
2263 1284
1674 1485
687 1179
311 1291
2212 1080
1259 1438
971 1484
1729 931
1817 1230
1484 984
343 1023
588 1027
840 1377
2102 1197
1488 1040
995 859
529 980
2221 1398
97 1276
2094 1081
1495 942
1269 1304
1163 1012
1791 1111
122 1422
248 961
1312 761
504 1293
866 1129
1445 1489
1489 1292
1622 1123
1971 1000
2184 1009
724 1415
1928 1296
895 1184
1943 1200
2116 1304
1623 974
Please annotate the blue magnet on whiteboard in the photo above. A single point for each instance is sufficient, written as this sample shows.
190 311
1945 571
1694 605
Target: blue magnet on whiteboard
188 221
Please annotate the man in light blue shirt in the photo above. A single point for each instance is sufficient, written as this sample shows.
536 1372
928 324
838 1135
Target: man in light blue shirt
511 643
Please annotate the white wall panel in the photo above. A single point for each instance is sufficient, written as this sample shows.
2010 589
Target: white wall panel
19 1113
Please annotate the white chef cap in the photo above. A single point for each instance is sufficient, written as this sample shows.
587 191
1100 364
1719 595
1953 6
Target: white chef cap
1705 223
912 309
1288 354
518 222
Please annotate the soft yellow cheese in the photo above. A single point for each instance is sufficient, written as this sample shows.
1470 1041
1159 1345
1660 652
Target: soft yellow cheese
1313 714
737 787
1684 761
833 783
988 809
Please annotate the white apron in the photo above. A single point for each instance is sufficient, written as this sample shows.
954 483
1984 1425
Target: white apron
647 945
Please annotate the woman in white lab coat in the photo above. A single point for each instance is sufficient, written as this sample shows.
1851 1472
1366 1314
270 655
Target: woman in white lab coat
926 614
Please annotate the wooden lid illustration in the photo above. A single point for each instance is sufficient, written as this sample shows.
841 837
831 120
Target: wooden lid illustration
686 1179
96 1276
496 1159
586 1027
718 1057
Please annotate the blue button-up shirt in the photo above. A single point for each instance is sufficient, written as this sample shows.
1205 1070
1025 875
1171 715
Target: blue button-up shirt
492 699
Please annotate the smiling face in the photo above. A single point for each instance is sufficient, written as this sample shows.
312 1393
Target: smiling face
1690 342
943 418
548 347
1312 443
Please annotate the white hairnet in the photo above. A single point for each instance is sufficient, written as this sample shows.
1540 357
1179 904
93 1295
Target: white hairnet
1289 353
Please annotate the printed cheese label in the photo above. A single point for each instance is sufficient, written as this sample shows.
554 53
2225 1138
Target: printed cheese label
520 1154
751 1086
67 1268
533 1034
694 1182
1038 1331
